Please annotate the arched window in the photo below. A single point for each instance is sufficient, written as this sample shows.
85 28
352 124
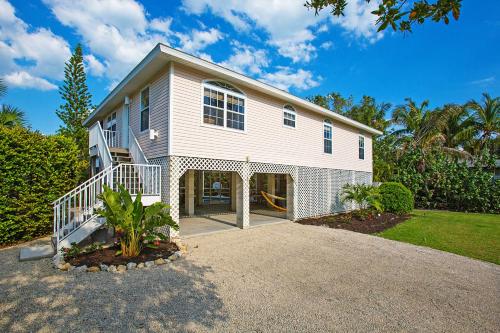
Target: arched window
289 116
223 105
327 136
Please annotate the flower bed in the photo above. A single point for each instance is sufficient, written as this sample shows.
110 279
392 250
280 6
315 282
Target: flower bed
370 224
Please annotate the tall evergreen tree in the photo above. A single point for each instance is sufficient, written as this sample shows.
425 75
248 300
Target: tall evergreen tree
77 101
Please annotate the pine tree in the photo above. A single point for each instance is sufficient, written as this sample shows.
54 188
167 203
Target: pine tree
77 102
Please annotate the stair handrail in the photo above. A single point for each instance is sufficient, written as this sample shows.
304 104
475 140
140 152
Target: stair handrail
96 138
80 186
135 149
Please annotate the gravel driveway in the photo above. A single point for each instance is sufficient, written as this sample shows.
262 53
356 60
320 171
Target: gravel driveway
284 277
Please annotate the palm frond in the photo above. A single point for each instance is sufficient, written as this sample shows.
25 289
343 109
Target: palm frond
11 116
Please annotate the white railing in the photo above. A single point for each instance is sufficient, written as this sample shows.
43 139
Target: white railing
135 150
97 139
112 138
78 206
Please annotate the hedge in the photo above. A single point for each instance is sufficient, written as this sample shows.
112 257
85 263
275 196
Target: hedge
396 198
34 171
438 181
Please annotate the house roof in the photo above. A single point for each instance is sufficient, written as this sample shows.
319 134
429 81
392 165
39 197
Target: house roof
161 55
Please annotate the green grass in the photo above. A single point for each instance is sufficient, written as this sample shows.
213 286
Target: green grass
468 234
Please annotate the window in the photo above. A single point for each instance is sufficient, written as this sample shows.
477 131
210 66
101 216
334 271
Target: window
361 147
223 105
289 115
145 109
327 136
111 122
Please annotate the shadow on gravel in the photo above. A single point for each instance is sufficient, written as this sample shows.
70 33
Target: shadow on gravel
177 296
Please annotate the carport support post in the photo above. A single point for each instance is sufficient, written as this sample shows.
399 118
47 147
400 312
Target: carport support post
242 203
271 185
290 198
189 200
199 189
234 177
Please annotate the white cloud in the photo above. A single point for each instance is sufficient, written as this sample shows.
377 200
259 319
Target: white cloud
197 40
483 82
93 65
326 45
119 33
26 80
285 78
358 20
246 59
29 53
289 24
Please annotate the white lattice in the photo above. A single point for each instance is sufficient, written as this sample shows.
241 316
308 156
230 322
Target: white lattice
311 191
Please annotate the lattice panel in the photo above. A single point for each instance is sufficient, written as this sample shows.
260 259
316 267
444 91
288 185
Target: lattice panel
319 190
163 162
273 168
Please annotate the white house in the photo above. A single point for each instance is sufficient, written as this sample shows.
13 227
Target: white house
208 140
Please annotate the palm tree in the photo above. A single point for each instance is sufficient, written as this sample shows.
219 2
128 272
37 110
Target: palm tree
418 126
459 130
487 119
11 116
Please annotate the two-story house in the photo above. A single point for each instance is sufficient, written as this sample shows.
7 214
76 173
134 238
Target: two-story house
207 140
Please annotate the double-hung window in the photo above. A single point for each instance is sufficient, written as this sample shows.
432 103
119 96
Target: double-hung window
223 105
361 144
144 109
327 136
289 116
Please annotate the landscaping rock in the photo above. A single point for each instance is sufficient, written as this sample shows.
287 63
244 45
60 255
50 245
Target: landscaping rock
66 267
81 268
131 265
175 256
112 269
149 263
93 269
160 261
140 265
121 268
103 267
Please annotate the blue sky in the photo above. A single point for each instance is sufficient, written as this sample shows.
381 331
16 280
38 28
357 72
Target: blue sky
279 42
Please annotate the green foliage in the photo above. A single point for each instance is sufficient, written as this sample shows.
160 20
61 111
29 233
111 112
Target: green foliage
77 103
11 116
135 224
35 170
396 198
365 196
398 14
440 181
72 252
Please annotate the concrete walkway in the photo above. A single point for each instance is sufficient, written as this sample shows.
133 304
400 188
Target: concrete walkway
277 278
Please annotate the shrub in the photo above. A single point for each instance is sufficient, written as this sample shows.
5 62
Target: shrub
34 171
365 196
136 225
396 198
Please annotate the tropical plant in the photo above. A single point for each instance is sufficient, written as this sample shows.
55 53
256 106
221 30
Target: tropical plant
364 196
11 116
136 226
487 119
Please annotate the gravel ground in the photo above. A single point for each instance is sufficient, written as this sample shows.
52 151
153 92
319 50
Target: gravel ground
284 277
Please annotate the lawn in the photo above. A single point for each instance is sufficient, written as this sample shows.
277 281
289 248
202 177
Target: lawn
468 234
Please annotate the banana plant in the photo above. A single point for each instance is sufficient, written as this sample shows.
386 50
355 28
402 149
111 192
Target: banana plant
137 225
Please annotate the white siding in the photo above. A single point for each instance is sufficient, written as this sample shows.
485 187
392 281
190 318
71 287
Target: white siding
266 139
158 116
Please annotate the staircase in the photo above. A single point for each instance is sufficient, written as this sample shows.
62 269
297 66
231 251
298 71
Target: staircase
75 213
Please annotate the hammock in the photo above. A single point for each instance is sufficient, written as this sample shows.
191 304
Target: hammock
269 197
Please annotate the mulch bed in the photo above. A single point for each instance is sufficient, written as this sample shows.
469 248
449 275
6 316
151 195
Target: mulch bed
349 221
108 256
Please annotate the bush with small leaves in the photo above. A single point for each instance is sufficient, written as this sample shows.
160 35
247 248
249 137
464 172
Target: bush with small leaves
396 198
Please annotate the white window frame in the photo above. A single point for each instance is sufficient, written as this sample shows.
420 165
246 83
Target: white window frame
110 121
328 123
141 109
225 92
361 139
291 112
